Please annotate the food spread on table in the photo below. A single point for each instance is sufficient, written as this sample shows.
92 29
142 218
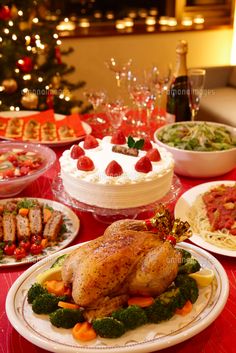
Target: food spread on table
17 162
28 227
41 127
197 137
213 216
130 276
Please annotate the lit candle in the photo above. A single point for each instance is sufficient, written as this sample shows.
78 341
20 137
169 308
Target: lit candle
172 22
198 19
120 24
66 26
150 21
84 23
187 21
163 20
128 22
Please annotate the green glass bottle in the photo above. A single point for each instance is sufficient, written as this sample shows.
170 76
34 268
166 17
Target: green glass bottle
177 104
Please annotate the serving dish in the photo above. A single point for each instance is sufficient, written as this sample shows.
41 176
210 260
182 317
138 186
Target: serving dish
58 117
14 185
200 164
71 222
182 209
152 337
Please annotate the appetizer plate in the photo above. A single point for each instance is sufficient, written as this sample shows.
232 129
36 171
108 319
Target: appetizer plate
87 128
71 221
151 337
183 206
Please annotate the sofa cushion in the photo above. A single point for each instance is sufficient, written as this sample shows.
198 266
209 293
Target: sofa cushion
219 106
232 77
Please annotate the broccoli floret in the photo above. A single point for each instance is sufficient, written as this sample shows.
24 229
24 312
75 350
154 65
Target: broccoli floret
66 318
159 311
190 266
185 256
132 317
108 327
35 290
46 303
174 298
188 286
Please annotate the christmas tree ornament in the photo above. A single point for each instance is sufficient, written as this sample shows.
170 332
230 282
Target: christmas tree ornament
24 25
29 100
58 55
14 12
5 13
10 85
25 64
56 81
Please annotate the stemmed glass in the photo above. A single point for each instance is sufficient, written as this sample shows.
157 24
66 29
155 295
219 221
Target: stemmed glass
119 68
96 98
116 111
196 80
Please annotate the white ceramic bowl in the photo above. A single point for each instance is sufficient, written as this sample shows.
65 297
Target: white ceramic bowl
201 164
13 186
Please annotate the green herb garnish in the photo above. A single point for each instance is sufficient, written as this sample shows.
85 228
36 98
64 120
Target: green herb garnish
135 144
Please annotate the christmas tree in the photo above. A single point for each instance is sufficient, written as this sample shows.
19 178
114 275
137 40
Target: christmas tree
32 75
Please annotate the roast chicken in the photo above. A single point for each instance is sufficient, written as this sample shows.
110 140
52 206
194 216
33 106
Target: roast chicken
126 260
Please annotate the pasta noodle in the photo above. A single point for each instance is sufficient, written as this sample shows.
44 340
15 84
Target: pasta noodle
200 224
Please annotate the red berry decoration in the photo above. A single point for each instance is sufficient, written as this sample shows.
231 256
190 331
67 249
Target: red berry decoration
85 163
5 13
113 169
118 138
147 145
76 152
154 155
25 64
143 165
90 142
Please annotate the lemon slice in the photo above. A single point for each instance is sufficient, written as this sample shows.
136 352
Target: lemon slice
204 277
50 274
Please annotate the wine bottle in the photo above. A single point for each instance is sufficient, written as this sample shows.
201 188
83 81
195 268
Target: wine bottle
177 104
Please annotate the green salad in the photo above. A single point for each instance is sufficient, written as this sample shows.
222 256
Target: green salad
197 137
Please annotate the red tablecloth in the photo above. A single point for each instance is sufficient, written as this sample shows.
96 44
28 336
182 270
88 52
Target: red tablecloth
219 337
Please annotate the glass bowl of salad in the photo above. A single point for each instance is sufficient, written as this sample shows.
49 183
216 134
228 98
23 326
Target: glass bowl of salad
200 149
22 163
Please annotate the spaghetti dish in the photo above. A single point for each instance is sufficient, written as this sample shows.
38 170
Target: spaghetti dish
213 216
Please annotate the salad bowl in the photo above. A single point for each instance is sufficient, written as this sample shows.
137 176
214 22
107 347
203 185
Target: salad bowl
200 149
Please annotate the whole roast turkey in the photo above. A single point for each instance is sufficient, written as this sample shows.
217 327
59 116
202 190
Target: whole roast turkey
131 258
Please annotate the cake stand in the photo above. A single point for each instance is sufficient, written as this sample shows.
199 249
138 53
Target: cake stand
107 215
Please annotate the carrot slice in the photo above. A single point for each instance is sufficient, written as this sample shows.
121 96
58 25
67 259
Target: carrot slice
186 309
55 287
23 211
66 305
46 214
143 302
84 331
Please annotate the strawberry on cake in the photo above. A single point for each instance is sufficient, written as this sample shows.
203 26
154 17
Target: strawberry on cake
116 172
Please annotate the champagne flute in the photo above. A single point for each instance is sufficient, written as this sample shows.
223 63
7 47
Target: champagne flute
119 68
116 111
96 98
196 80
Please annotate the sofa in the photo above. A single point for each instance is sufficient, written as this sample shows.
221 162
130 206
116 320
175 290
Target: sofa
218 102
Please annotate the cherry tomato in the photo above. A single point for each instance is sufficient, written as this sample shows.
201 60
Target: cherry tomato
25 244
36 239
19 253
8 173
9 248
36 249
12 158
24 170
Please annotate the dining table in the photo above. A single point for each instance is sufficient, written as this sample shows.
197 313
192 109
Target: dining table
218 337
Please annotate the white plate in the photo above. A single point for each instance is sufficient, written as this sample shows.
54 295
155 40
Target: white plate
183 206
38 330
23 113
71 221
